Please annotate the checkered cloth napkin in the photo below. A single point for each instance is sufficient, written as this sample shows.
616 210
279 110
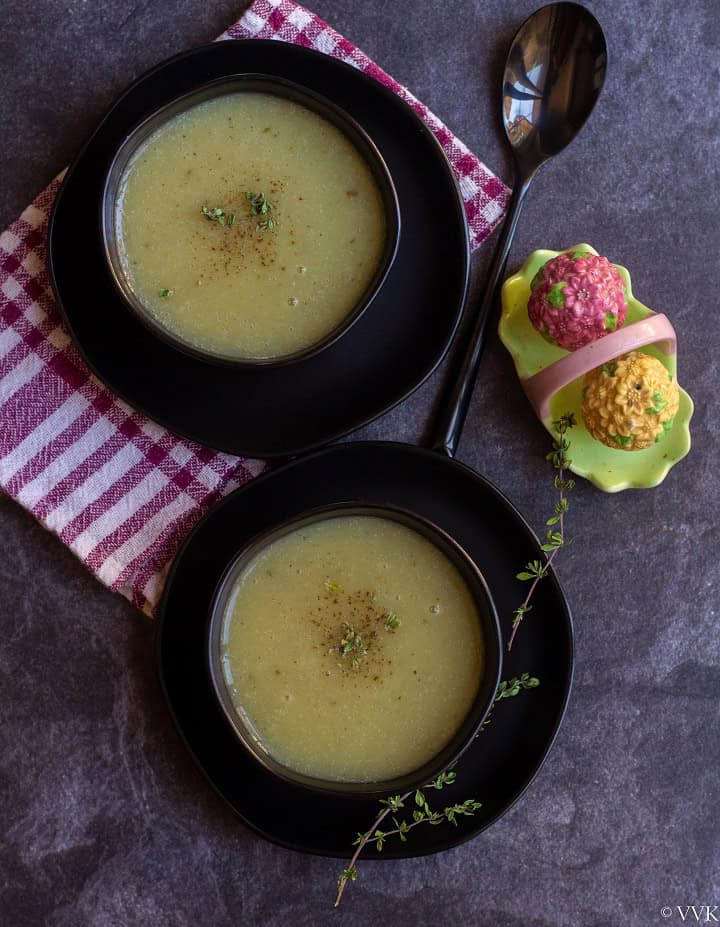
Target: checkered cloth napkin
118 489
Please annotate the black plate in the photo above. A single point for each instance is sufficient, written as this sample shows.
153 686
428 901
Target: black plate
506 756
392 349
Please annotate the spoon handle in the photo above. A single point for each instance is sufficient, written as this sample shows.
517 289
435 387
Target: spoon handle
447 427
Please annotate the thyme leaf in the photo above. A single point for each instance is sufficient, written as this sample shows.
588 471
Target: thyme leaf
216 214
261 207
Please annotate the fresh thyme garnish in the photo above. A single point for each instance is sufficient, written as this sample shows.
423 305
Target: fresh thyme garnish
422 813
359 637
392 622
260 205
352 643
215 214
512 688
509 689
165 293
536 570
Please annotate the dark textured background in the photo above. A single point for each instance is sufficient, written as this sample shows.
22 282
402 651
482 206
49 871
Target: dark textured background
105 819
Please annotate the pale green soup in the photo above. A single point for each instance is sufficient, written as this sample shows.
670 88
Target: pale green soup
372 710
258 284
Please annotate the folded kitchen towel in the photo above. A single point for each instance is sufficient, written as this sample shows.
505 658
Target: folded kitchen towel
118 489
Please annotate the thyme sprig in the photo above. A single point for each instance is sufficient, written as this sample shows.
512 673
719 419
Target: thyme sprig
422 813
535 570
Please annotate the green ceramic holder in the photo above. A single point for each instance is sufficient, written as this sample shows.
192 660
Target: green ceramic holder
552 379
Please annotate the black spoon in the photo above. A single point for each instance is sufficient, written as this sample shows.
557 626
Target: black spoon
554 73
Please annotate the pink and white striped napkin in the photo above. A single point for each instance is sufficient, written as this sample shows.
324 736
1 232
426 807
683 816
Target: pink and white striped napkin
119 490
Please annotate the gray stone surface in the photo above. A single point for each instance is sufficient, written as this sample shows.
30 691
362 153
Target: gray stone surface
104 818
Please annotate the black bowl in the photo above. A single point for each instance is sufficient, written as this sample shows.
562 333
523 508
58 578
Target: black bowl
248 83
241 724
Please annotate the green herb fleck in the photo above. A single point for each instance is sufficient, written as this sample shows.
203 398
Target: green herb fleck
353 645
165 293
555 295
261 206
332 587
622 440
392 622
216 214
610 369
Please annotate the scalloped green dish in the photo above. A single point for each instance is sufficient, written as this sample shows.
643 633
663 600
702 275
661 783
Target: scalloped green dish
609 469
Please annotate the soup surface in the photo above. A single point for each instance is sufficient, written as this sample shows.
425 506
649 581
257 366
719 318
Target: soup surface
249 226
353 647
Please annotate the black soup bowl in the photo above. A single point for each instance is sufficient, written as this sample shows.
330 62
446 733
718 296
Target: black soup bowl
111 198
241 724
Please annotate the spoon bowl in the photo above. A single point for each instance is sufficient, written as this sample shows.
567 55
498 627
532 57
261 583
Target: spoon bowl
554 73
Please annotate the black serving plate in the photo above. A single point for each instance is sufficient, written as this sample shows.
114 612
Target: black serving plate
280 411
502 761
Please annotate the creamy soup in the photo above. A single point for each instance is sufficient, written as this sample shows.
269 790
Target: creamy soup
250 226
354 649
